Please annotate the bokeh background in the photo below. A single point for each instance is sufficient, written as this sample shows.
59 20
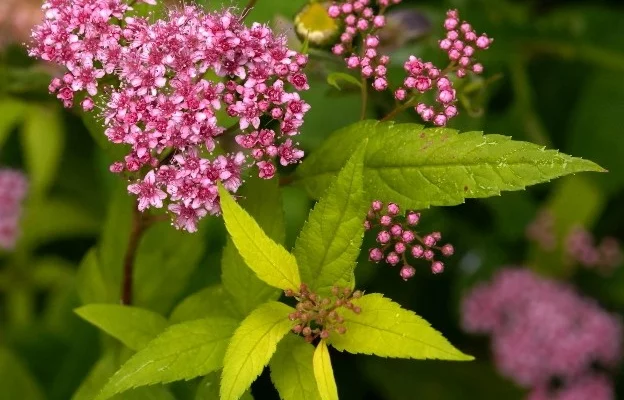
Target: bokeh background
554 76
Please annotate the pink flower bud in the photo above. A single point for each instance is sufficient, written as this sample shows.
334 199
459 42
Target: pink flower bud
428 255
385 220
408 236
393 209
407 272
418 251
383 237
377 205
400 247
375 255
393 258
412 218
396 230
379 21
448 250
400 94
437 267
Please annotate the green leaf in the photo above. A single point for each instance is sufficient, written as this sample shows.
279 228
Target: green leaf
103 370
418 167
175 254
42 138
212 301
92 283
11 113
55 219
208 388
183 351
335 78
324 373
133 326
263 201
269 260
252 346
385 329
291 370
17 382
330 241
115 236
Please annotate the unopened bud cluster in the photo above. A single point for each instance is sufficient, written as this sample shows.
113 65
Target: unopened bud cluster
363 19
578 244
318 316
399 243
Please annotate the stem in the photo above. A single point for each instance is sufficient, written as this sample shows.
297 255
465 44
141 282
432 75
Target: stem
400 108
364 98
138 227
246 10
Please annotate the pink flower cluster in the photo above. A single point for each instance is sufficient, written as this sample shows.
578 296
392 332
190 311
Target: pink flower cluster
398 242
461 44
542 329
179 79
578 244
361 19
13 188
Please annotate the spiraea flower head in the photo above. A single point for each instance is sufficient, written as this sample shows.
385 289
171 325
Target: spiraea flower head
13 189
318 316
399 243
179 77
541 329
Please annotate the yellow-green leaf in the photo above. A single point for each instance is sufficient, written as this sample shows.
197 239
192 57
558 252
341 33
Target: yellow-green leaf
212 301
183 351
269 260
330 241
291 370
324 373
134 327
252 346
385 329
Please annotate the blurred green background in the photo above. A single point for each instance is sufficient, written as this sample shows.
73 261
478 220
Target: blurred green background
554 76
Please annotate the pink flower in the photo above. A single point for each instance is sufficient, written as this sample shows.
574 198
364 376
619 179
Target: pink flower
13 188
148 193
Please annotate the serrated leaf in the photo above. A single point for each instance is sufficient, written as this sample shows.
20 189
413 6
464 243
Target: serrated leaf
42 139
329 243
252 346
103 370
208 388
175 254
183 351
323 373
418 167
133 326
385 329
17 381
269 260
335 78
212 301
291 370
263 201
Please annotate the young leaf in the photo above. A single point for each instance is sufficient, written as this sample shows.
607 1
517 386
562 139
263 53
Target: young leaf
208 388
183 351
133 326
329 243
252 346
262 199
212 301
418 167
291 370
385 329
176 254
323 373
42 138
335 77
269 260
103 370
